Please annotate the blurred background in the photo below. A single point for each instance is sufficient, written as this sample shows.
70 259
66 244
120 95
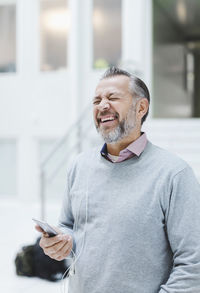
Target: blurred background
52 54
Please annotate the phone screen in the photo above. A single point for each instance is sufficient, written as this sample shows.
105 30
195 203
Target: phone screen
46 227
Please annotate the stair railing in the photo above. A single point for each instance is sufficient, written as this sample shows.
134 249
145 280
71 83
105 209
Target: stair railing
77 126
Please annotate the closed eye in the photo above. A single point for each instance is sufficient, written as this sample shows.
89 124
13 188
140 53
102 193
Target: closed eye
113 98
96 102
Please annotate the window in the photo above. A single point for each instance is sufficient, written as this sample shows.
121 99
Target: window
8 166
7 38
106 33
54 26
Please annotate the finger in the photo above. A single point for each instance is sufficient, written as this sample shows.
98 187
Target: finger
62 254
50 242
60 258
39 229
66 254
61 248
68 251
45 234
63 251
56 248
46 241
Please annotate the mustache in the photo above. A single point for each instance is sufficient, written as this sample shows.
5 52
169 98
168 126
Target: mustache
105 113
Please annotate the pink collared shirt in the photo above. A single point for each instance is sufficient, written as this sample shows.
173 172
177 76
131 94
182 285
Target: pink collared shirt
133 149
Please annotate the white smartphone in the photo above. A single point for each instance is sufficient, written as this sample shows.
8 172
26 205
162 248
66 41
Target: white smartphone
46 227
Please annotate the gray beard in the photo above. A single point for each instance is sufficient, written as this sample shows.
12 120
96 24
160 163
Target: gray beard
124 128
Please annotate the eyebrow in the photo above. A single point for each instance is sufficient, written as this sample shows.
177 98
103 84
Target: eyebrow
96 97
99 97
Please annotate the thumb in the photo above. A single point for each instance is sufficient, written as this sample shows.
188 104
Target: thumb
39 229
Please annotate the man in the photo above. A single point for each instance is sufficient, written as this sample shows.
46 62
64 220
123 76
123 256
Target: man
132 211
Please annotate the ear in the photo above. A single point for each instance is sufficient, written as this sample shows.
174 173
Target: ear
143 106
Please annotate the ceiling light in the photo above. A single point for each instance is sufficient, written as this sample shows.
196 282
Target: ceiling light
181 11
56 20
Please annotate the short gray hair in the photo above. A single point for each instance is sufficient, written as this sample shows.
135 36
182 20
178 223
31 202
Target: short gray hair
136 86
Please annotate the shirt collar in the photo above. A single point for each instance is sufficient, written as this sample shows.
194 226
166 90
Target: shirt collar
136 147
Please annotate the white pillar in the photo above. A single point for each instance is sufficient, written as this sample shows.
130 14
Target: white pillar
133 29
28 37
137 38
79 55
80 50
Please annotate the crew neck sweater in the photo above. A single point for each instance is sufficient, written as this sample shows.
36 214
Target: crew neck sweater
135 225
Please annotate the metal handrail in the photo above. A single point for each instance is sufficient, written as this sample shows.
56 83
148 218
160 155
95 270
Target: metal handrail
48 157
63 161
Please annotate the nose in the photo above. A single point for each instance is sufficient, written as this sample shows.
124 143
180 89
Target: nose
104 105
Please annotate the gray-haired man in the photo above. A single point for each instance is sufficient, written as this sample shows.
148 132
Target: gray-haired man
131 211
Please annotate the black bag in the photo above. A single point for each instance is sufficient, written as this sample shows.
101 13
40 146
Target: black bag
32 262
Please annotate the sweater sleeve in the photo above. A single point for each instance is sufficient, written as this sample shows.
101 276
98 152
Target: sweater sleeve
183 231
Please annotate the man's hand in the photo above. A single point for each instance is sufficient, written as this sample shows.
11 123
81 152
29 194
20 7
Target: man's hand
57 247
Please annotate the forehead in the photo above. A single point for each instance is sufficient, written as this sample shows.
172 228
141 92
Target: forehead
119 83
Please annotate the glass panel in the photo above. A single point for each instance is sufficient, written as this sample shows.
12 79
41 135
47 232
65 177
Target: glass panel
106 33
54 25
176 54
7 38
8 167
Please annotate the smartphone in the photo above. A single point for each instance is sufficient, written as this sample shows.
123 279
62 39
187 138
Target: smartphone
46 227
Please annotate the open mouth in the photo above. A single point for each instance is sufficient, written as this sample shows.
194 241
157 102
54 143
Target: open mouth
107 120
104 120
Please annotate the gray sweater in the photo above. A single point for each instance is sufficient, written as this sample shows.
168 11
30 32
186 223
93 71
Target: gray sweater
135 224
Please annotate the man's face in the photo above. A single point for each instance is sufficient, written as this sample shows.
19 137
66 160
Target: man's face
114 110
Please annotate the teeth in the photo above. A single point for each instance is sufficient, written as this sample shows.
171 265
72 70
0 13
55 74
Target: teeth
107 119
